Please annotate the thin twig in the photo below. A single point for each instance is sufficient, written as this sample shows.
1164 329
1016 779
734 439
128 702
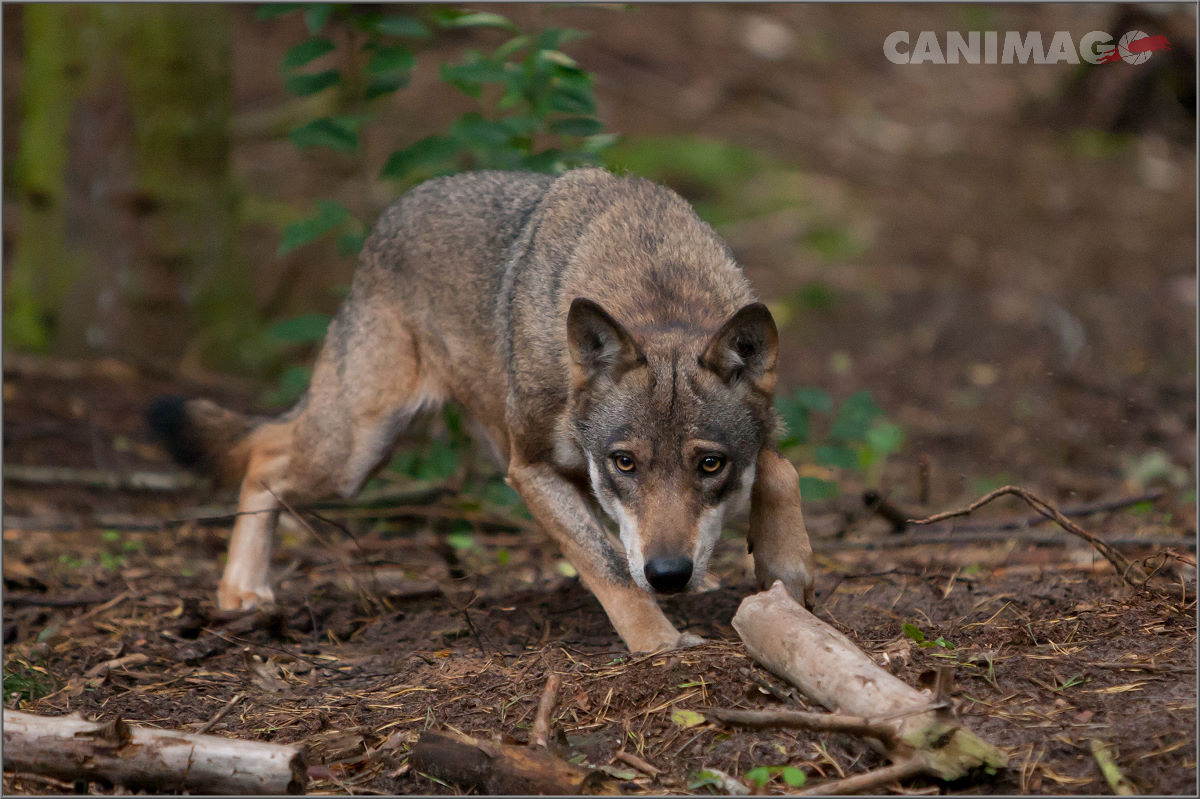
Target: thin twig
540 736
220 714
828 722
864 783
1123 566
630 759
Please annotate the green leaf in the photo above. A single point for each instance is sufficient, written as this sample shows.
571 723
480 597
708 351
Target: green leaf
557 57
913 632
546 161
385 84
814 399
387 59
331 132
308 50
475 131
576 126
467 76
304 85
511 47
885 438
686 718
855 416
430 153
275 10
794 776
316 16
814 488
555 38
479 19
400 25
841 457
328 216
701 779
461 541
350 243
571 100
302 329
759 775
292 385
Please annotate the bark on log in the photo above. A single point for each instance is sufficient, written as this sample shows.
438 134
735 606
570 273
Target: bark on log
495 768
831 670
69 748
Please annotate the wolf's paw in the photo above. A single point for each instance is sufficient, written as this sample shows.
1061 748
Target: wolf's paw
796 580
231 598
687 639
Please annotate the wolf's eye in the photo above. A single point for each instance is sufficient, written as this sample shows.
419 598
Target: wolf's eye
624 462
711 464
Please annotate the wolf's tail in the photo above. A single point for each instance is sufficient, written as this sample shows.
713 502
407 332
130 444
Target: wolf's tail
203 436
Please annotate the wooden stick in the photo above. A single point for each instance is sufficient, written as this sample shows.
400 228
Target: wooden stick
867 781
829 722
102 478
630 759
159 761
540 735
494 768
1123 566
831 670
220 714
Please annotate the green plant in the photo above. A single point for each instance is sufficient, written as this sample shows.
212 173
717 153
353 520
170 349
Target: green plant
24 681
1071 682
914 632
859 439
536 111
761 775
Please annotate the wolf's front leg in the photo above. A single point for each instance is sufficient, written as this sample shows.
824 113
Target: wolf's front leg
778 538
559 508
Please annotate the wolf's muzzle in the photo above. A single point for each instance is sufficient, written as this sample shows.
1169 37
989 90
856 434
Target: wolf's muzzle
668 575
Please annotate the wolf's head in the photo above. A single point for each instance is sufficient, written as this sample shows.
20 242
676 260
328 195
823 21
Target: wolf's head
671 422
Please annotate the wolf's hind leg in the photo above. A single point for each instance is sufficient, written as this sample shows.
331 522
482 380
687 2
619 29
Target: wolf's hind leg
366 386
777 536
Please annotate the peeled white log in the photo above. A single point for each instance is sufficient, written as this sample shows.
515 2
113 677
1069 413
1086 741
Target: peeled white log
826 665
69 748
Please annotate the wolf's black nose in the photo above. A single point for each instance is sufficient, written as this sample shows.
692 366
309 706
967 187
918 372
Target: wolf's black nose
668 575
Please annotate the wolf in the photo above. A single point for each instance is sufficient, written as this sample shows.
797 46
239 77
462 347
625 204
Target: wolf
608 347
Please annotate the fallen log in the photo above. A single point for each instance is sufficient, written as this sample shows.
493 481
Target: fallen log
826 665
70 748
495 768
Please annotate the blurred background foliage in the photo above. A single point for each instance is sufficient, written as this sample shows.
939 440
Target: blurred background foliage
185 187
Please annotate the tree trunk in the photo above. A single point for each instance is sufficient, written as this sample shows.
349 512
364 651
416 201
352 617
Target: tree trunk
128 235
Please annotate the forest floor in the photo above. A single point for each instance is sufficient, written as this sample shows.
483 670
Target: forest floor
388 631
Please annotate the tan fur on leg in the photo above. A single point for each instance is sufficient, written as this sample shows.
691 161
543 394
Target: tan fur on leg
777 534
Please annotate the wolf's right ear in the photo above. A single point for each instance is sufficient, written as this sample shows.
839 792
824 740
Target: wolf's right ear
598 343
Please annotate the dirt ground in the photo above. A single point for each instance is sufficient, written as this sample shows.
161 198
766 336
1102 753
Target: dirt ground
1022 306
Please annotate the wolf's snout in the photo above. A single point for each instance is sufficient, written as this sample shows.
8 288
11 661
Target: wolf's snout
668 575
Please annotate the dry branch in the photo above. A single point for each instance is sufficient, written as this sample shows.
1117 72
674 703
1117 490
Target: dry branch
828 722
495 768
102 478
1123 566
69 748
831 670
540 736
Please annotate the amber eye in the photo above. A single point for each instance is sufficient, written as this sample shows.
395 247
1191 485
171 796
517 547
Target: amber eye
624 462
711 464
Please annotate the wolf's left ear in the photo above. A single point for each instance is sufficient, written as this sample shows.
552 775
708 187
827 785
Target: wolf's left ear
745 348
598 343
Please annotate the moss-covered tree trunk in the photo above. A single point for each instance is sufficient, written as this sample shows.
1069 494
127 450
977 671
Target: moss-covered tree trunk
128 236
